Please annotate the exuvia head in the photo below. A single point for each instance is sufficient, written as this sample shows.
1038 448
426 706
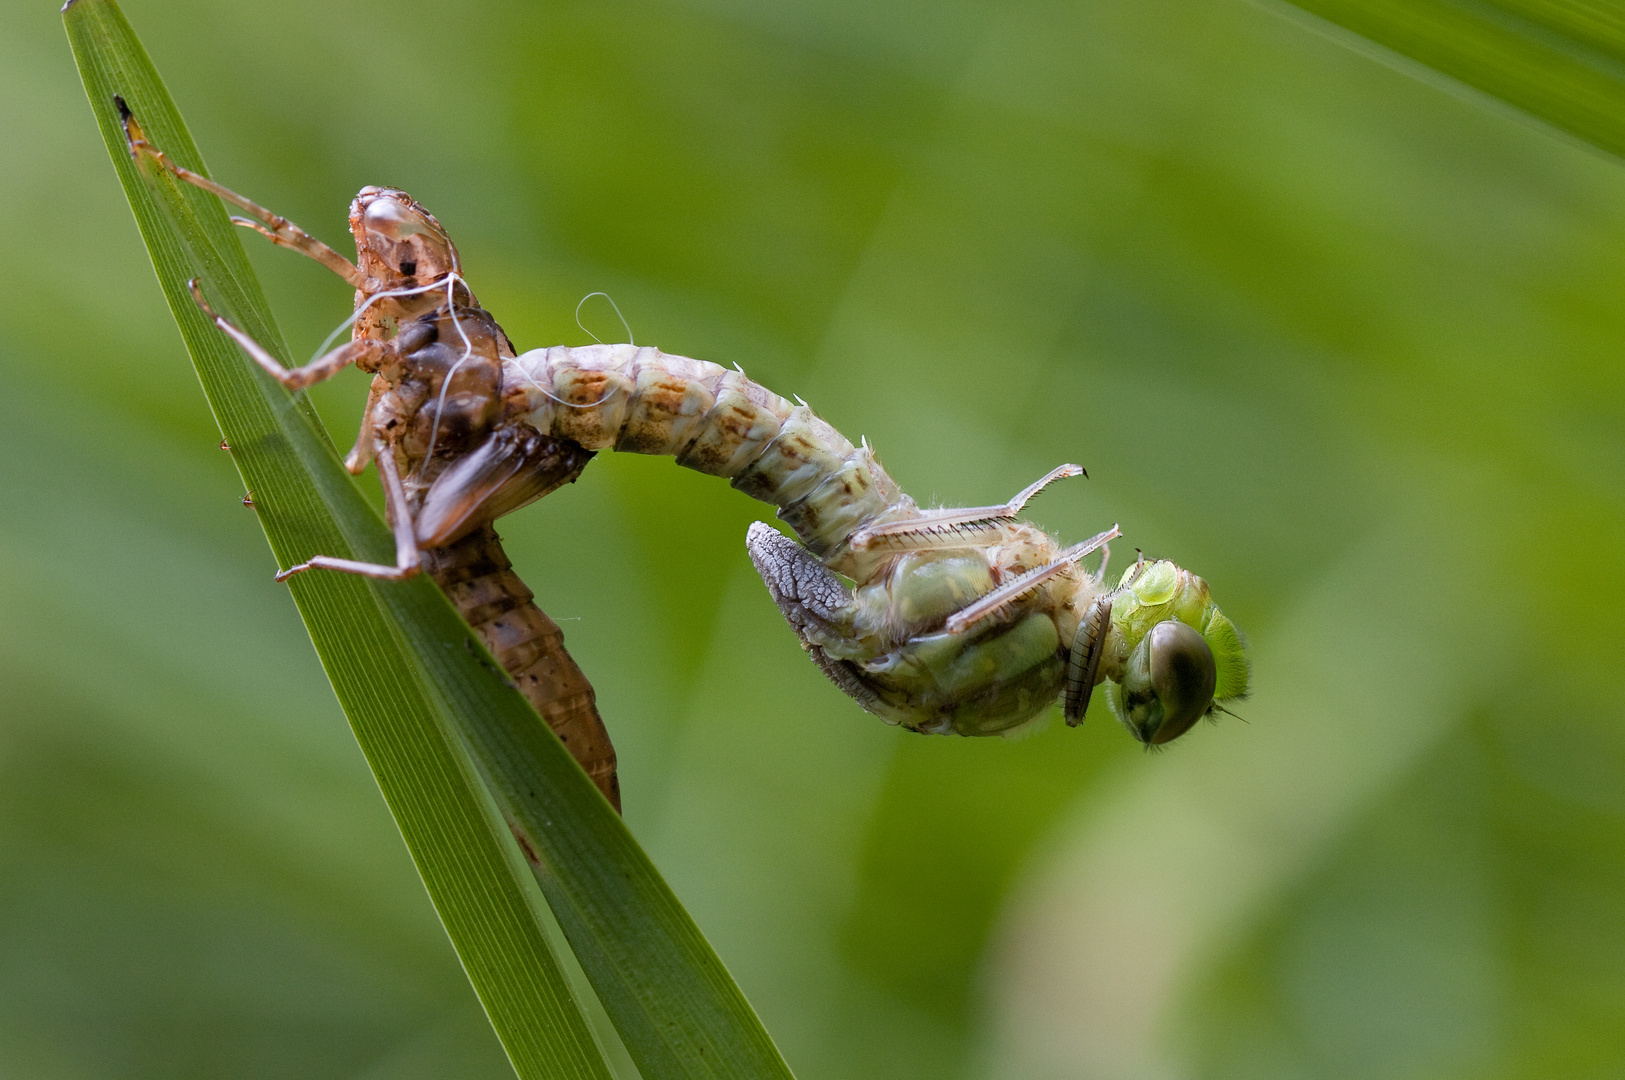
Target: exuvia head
1184 656
398 242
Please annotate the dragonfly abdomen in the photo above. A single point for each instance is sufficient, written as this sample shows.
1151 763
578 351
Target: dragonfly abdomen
717 421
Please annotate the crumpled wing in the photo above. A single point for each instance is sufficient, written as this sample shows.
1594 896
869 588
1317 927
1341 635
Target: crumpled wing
812 600
515 466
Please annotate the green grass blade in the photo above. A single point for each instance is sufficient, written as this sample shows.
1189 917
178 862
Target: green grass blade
425 701
398 709
1561 61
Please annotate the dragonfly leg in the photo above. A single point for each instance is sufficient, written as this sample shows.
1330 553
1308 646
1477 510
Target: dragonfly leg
953 527
1083 663
278 229
318 370
408 559
995 603
1060 472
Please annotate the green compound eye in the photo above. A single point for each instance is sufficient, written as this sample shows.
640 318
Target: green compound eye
1169 685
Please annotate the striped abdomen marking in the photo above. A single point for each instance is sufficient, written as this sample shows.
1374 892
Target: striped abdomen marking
476 574
715 421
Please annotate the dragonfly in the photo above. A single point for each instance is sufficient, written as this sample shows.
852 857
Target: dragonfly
965 621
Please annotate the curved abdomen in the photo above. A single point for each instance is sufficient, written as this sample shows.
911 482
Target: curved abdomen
716 421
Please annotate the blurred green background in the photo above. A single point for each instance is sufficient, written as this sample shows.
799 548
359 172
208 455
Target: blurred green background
1344 344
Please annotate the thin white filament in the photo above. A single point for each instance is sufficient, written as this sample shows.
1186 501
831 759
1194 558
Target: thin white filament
450 281
468 350
387 293
624 324
551 396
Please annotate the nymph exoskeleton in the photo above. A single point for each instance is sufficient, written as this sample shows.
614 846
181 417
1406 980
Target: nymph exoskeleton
963 621
449 462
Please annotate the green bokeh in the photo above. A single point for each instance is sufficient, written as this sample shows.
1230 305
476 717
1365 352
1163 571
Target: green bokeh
1343 344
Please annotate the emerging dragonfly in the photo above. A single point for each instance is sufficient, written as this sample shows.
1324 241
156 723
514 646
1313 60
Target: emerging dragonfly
964 621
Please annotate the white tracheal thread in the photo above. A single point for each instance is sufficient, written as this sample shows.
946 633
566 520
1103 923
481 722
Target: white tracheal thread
630 340
551 396
388 293
468 350
451 280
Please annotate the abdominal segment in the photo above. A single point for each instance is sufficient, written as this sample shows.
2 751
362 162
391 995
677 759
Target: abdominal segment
714 420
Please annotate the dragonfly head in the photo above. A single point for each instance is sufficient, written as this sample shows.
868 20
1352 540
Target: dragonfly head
1184 658
397 242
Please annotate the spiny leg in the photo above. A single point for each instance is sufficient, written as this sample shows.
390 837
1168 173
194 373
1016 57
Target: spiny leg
1083 662
278 229
994 603
1060 472
408 559
295 379
953 527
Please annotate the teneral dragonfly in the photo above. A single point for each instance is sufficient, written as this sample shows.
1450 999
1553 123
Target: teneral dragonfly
966 621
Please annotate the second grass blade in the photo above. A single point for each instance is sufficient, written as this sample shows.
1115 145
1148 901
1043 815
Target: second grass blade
1560 61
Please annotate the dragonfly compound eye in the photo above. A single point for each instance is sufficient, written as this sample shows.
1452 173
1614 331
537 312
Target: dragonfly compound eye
1169 683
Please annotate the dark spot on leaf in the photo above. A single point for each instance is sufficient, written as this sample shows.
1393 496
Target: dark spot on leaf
524 845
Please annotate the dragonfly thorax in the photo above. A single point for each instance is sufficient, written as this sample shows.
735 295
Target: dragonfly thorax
989 680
